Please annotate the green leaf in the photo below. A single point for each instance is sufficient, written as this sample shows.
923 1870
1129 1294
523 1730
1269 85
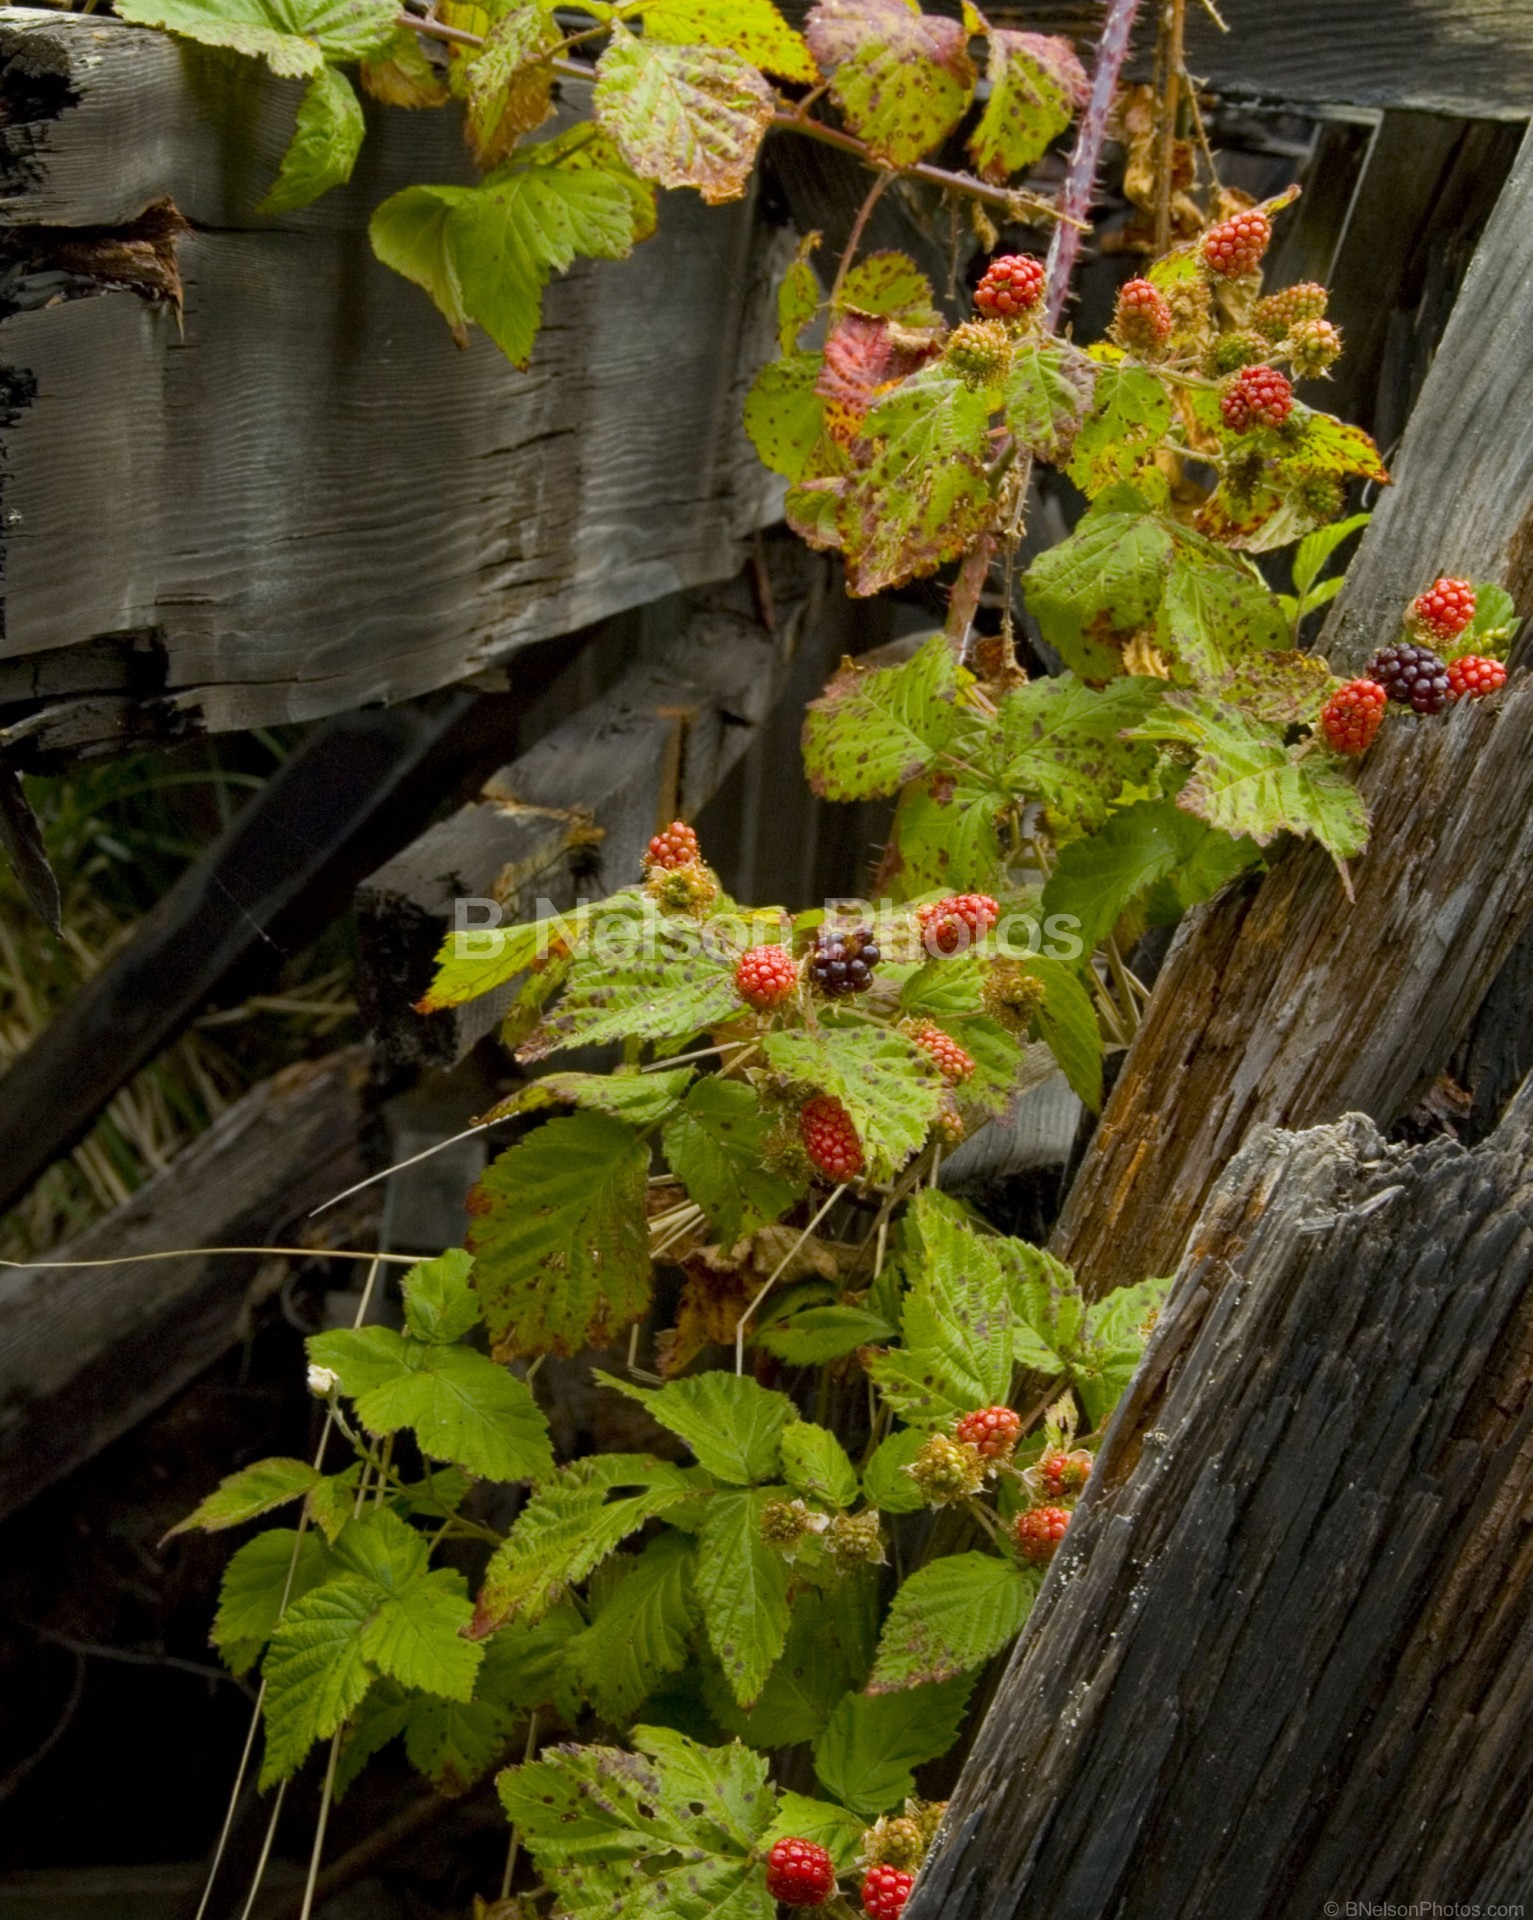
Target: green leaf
752 28
1494 622
461 1406
474 963
641 1630
742 1584
1067 1021
1049 1310
644 978
890 286
323 150
1036 85
950 1617
901 77
1130 416
945 837
798 294
1316 548
926 494
315 1672
1063 745
638 1098
569 1526
1215 615
828 1651
559 1237
815 1463
815 1335
510 82
784 414
485 253
884 1479
332 1500
440 1302
872 1741
268 1572
1048 391
715 1145
1115 1335
875 728
1094 591
1096 879
1246 782
413 1631
246 1495
889 1087
834 1828
733 1426
690 116
294 37
673 1829
956 1325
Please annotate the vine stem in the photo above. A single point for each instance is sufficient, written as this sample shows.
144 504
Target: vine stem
1080 181
870 200
771 1279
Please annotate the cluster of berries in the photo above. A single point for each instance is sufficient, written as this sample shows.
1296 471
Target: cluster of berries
675 873
843 963
800 1873
957 923
1411 674
1012 286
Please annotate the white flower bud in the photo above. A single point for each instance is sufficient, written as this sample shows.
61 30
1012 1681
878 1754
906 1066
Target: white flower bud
323 1381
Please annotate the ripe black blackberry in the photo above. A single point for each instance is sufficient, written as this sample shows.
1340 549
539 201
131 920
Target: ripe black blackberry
1412 676
843 962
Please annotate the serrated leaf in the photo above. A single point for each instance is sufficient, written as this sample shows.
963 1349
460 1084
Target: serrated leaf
315 1672
784 414
332 1501
889 1087
440 1302
246 1495
875 728
836 1829
1316 548
1048 391
294 37
668 984
569 1526
268 1572
1062 743
1215 616
814 1335
1318 444
828 1651
1130 415
872 1742
867 355
509 83
1067 1021
1115 1335
949 1617
559 1237
690 116
752 28
814 1462
733 1425
742 1585
476 962
1092 592
638 1098
323 150
901 77
715 1145
1095 879
401 75
956 1337
1048 1308
925 495
1036 86
884 1479
484 254
945 837
1494 622
413 1628
889 285
798 296
1246 782
641 1631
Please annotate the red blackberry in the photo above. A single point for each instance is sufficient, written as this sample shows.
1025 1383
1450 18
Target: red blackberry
960 921
1064 1473
1290 307
1351 717
829 1138
885 1891
1475 676
843 963
676 847
951 1060
800 1874
1256 397
1236 245
1143 320
1039 1532
1445 609
993 1431
1412 676
766 976
1012 285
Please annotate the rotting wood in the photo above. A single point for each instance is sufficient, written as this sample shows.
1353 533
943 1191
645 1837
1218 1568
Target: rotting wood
1283 1002
86 1353
1283 1654
258 549
573 816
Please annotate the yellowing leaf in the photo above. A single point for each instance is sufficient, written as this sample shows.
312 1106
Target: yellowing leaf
752 28
875 728
510 83
1036 85
683 116
902 77
890 286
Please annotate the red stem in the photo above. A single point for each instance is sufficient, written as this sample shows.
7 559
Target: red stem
1080 182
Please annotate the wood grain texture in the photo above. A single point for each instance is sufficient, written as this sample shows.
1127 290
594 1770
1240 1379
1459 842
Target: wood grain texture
312 500
1283 1654
87 1353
